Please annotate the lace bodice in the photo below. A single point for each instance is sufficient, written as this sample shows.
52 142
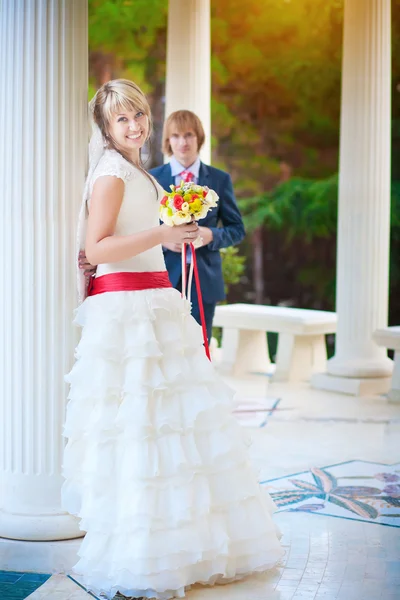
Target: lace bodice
139 211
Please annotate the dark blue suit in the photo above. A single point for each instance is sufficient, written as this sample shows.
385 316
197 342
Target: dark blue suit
230 232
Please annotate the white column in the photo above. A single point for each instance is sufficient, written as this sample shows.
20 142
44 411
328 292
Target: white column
43 108
364 201
188 81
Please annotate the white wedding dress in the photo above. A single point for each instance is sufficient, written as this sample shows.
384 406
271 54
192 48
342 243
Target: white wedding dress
155 466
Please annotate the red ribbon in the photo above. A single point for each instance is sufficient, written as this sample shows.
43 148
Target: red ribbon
184 265
200 300
128 281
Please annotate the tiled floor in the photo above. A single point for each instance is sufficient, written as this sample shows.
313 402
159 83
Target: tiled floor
296 432
326 559
15 585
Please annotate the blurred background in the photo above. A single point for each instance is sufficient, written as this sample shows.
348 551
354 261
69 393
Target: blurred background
276 79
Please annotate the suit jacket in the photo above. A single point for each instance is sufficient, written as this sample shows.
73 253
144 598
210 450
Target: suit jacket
230 232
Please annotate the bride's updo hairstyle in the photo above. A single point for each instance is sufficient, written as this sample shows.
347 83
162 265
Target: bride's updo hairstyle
117 96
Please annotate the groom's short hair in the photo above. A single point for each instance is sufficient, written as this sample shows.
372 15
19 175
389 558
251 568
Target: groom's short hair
181 121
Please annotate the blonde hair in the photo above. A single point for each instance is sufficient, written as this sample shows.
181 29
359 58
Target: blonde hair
181 121
116 96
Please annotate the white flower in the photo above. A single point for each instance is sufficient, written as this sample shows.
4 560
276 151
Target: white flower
185 207
212 198
203 212
166 218
180 217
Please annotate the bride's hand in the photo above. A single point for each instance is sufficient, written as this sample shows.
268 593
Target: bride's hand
172 247
179 234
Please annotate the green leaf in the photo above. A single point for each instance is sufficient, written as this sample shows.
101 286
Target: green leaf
357 491
286 498
324 480
359 508
391 500
305 485
233 266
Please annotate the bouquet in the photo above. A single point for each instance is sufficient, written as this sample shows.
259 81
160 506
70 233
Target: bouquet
185 203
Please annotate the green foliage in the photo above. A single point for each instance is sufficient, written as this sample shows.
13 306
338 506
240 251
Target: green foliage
299 206
276 71
125 28
305 208
305 212
395 212
123 39
233 266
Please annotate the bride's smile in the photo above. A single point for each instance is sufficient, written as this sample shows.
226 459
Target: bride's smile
129 131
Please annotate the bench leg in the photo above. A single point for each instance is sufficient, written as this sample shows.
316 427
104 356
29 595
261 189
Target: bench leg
244 351
394 393
298 357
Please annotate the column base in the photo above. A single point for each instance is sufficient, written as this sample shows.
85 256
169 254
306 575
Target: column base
40 528
394 396
380 366
39 557
350 385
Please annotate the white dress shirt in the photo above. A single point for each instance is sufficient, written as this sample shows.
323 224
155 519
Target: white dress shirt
177 168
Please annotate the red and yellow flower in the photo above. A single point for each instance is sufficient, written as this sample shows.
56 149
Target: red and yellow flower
186 202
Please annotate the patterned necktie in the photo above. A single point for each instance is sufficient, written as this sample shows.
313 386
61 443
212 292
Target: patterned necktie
187 176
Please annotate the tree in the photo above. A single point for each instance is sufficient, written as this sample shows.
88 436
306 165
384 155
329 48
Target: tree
122 39
276 95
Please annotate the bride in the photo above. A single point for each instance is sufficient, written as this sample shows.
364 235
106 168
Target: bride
155 465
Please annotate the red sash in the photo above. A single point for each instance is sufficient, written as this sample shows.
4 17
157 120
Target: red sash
128 282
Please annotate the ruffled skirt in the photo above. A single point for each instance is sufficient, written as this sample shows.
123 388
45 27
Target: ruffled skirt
155 467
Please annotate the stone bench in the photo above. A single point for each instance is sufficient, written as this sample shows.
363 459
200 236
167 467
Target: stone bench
301 341
389 338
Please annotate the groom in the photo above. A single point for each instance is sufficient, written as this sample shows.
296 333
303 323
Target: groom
183 138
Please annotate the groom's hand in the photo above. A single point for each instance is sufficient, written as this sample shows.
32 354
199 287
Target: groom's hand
206 235
85 265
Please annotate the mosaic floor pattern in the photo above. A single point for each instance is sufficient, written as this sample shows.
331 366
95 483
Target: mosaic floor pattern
356 489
